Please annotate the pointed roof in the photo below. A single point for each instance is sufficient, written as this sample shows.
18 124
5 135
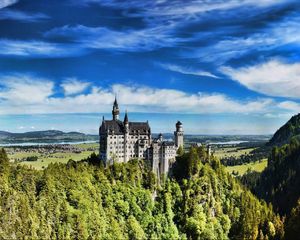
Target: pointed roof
116 102
126 117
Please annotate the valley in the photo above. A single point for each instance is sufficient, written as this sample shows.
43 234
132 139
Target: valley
38 154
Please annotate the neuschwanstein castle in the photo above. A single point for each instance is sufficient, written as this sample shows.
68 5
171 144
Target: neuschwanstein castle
121 141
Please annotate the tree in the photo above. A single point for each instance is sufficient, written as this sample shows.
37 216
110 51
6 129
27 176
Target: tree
4 161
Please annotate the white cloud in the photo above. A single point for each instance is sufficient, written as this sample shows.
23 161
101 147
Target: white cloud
73 86
169 100
190 71
273 78
6 3
290 106
21 90
31 95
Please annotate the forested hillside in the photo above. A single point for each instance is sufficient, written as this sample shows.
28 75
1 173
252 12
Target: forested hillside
280 181
279 184
286 132
81 200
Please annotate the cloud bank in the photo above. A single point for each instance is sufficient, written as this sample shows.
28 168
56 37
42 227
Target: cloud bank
272 78
27 94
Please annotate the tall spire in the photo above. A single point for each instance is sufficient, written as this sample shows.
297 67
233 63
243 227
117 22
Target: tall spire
115 111
126 117
116 102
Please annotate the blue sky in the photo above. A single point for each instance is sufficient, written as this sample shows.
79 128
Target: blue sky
220 66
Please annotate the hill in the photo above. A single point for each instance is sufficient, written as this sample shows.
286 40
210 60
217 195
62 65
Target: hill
286 132
279 182
82 200
44 136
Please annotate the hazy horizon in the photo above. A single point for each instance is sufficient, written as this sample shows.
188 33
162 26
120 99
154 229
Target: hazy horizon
193 124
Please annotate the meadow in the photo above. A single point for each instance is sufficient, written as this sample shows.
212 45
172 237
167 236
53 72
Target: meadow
82 151
258 166
237 152
44 157
231 151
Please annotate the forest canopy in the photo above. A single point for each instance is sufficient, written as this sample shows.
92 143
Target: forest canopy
82 200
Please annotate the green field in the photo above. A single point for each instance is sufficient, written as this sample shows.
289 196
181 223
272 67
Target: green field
222 152
230 151
258 166
44 159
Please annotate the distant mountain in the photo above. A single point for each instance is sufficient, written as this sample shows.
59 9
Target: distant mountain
44 136
286 132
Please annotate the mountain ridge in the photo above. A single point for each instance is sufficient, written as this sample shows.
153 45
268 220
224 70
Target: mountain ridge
291 129
46 135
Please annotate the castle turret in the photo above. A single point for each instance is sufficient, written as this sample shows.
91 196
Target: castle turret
115 111
126 138
126 122
160 137
178 135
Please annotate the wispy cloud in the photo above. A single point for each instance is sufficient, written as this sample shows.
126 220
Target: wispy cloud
32 48
272 78
73 86
22 16
6 3
187 70
182 8
128 40
267 39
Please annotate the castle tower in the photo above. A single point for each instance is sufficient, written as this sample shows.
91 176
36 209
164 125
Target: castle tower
115 111
178 135
126 138
160 137
126 122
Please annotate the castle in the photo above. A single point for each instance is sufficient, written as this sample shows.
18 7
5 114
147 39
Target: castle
121 141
